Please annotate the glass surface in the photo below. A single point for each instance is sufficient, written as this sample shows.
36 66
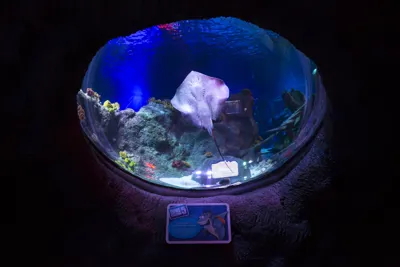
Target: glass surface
200 104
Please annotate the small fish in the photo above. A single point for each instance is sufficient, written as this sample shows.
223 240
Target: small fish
214 224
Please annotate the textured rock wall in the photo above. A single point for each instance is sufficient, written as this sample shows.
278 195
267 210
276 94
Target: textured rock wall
268 224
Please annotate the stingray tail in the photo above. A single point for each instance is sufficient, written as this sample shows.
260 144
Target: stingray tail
219 151
130 102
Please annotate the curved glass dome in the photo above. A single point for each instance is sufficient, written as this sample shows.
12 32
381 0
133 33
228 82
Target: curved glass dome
200 104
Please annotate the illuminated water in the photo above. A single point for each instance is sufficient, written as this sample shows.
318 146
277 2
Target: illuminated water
273 89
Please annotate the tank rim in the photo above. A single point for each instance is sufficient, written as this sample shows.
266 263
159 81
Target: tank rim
163 190
316 113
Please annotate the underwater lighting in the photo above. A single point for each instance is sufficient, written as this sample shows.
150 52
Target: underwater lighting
229 96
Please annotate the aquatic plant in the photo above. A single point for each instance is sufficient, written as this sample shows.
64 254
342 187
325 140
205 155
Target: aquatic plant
130 162
81 113
288 126
123 154
125 162
90 92
293 99
120 163
111 107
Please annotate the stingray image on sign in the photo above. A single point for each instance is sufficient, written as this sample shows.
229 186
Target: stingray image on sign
200 104
203 224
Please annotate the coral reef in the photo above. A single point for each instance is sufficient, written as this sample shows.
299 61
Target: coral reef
90 92
111 107
159 136
166 102
155 134
180 164
102 123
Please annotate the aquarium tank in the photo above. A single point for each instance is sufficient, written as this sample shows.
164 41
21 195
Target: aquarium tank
200 104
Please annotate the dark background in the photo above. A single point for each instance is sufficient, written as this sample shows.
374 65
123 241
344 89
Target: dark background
62 200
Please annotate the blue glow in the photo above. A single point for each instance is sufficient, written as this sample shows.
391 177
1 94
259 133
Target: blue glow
153 62
136 100
314 71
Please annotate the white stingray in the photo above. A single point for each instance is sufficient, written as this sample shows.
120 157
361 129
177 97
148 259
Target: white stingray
201 98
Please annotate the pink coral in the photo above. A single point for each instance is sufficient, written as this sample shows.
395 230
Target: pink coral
179 164
91 93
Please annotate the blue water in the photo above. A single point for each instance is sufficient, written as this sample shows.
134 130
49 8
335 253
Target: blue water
153 63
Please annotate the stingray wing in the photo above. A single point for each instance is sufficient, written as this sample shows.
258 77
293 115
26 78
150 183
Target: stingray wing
184 101
186 96
200 97
216 94
215 106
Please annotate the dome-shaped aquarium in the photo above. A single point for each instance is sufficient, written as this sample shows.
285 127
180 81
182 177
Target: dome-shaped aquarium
200 104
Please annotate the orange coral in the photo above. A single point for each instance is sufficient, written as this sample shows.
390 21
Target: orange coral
208 154
166 103
81 113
